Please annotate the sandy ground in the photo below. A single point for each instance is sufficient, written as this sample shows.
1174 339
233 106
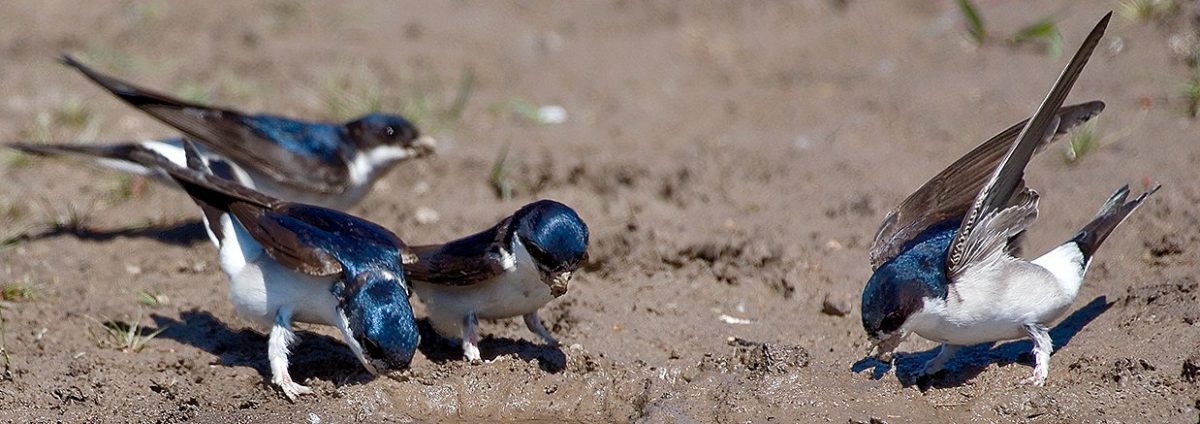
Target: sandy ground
732 159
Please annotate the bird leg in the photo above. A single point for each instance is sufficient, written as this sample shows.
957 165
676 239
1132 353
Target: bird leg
1042 347
534 323
938 362
470 337
277 353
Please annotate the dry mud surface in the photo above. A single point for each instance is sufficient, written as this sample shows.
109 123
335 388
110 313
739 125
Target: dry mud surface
732 159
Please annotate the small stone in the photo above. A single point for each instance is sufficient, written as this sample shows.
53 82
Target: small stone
420 188
1191 369
552 114
837 308
426 216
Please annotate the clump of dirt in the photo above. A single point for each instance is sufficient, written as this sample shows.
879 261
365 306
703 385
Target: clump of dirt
738 260
758 358
1191 369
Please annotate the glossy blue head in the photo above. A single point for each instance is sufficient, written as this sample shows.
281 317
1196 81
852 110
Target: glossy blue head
555 237
898 289
380 130
381 320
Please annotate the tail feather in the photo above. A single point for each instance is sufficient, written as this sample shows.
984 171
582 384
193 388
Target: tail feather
121 157
112 151
130 93
1112 213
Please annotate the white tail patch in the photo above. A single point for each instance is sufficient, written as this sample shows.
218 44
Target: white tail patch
1067 264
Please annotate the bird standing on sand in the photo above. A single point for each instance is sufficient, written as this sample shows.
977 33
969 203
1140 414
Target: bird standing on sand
513 268
295 262
943 264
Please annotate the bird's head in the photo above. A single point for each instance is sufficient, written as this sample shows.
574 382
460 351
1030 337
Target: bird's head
556 239
389 137
380 320
901 288
888 301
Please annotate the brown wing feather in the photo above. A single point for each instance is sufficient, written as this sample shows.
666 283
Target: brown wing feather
283 244
224 132
950 194
1008 178
462 262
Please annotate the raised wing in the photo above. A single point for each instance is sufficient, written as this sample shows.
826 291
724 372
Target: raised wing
251 141
1008 178
951 193
992 237
462 262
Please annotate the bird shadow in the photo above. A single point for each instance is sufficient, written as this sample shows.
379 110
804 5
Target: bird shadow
439 349
970 361
185 234
313 356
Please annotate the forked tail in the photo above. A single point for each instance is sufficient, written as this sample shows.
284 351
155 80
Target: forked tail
1114 211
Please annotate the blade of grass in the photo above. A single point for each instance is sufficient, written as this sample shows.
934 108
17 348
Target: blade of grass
499 175
974 21
1043 31
466 86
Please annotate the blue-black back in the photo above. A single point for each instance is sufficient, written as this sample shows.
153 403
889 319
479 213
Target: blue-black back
319 140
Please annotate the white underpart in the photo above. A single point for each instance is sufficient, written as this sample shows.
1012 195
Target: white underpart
517 292
368 164
995 300
259 286
270 295
172 149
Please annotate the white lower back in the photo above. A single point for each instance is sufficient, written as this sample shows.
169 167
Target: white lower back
259 286
993 302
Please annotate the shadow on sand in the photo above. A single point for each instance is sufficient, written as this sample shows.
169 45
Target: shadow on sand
186 233
973 360
439 349
327 358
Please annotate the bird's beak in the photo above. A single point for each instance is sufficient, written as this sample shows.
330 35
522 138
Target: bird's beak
882 347
424 145
558 283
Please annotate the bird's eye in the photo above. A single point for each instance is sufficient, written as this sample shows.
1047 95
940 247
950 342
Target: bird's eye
891 322
389 131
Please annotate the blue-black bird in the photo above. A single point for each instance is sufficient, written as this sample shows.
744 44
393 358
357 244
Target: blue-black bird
513 268
943 259
295 262
328 164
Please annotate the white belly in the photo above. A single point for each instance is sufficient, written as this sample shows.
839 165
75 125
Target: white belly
517 292
259 286
994 304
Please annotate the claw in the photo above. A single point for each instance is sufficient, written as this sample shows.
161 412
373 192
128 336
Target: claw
291 389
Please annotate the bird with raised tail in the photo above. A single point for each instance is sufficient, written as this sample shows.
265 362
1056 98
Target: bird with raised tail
512 269
321 163
294 262
943 259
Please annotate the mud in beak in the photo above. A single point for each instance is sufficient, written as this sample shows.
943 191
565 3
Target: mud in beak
882 348
424 145
558 283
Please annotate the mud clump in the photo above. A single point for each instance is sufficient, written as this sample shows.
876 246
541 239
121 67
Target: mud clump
1168 245
758 359
1191 369
736 261
1127 369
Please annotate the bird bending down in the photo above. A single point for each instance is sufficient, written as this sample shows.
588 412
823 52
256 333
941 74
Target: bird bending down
511 269
294 262
943 259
